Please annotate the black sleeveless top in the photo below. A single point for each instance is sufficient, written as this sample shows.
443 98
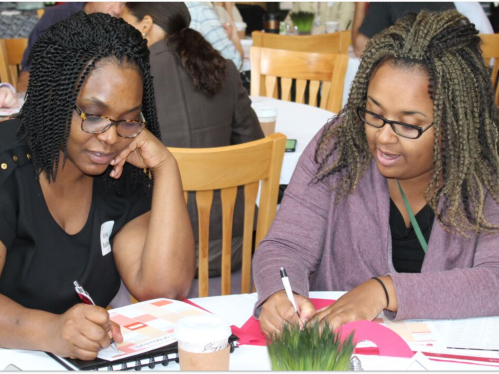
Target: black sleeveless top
42 260
407 253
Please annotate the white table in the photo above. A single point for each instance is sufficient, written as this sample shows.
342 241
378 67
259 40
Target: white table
236 309
296 121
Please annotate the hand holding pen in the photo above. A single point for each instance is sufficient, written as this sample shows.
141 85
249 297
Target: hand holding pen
80 332
86 299
279 308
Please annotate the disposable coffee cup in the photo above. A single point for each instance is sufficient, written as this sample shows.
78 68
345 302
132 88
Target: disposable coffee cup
241 29
267 117
203 343
332 26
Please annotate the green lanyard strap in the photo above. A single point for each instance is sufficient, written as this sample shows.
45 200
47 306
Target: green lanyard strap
419 234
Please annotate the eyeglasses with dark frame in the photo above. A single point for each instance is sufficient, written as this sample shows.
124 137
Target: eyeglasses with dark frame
403 129
94 124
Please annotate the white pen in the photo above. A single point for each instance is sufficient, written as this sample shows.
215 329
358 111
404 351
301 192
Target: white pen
287 288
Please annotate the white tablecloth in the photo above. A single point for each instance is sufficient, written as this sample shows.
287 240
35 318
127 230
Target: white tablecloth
296 121
236 309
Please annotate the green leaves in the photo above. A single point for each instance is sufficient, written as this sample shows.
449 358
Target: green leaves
310 348
303 20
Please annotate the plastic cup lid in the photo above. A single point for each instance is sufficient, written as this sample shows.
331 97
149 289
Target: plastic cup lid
202 329
265 112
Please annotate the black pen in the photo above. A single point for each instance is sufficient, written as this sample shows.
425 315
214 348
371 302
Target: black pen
86 299
287 288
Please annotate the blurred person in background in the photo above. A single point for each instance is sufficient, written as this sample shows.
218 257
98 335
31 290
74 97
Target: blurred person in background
381 15
55 14
229 15
205 20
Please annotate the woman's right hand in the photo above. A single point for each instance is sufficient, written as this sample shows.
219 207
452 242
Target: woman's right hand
277 309
81 332
8 98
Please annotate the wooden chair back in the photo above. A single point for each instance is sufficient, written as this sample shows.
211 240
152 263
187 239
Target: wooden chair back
11 56
337 42
252 164
490 50
267 65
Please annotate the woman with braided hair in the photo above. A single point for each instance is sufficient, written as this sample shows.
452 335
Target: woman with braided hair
88 192
396 200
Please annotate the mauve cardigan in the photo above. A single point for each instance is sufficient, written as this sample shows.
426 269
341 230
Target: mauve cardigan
328 247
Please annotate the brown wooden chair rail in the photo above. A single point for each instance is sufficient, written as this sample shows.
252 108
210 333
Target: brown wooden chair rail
11 55
204 170
337 42
267 65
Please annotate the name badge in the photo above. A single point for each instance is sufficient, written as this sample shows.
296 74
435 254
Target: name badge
105 233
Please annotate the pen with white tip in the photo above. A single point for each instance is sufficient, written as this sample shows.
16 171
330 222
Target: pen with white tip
287 288
86 299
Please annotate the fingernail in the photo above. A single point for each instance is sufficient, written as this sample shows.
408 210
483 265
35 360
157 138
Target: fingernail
112 173
112 161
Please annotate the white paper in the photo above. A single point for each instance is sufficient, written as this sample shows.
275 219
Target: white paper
470 333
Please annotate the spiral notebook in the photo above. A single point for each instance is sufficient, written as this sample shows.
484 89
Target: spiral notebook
148 336
161 356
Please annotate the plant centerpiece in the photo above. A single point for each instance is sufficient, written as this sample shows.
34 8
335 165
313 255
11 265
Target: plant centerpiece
303 20
310 348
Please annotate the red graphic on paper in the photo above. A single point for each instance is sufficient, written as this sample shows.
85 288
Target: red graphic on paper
161 302
135 326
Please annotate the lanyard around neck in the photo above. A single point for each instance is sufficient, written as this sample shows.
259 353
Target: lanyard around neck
415 224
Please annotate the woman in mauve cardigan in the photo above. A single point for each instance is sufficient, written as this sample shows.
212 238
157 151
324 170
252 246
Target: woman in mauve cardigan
420 113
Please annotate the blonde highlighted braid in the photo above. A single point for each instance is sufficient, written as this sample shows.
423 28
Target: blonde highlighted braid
465 153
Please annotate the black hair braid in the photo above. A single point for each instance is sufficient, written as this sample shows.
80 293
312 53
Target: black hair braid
466 149
60 61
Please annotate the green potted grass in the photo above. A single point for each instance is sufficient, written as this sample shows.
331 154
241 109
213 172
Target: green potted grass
310 349
304 21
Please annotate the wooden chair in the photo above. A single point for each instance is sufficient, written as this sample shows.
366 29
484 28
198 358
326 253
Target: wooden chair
267 65
11 55
337 42
490 50
204 170
40 12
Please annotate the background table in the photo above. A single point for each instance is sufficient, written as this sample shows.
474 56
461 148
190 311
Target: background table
296 121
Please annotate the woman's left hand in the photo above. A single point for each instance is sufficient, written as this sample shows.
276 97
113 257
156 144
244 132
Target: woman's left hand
145 151
8 98
364 302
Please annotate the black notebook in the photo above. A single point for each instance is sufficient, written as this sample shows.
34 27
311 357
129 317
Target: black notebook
160 356
148 336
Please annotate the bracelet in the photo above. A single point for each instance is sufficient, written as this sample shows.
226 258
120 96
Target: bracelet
384 289
8 85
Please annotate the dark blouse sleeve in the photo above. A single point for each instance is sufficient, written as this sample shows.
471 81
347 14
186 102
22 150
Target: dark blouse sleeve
139 198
